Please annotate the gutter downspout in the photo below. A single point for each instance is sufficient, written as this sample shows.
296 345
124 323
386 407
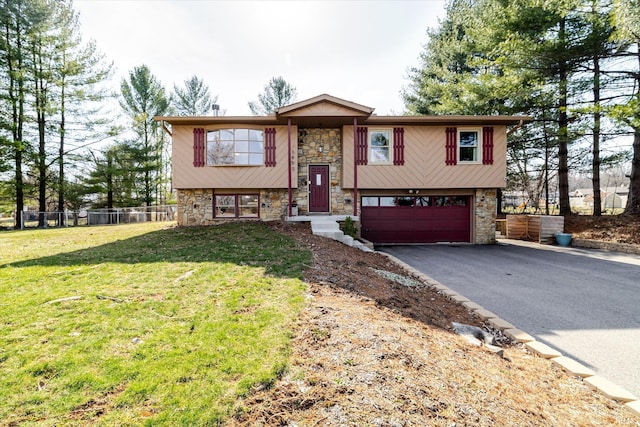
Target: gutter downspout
355 167
513 129
289 163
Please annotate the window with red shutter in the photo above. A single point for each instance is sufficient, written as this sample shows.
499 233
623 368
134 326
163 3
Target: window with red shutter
198 147
487 146
451 146
270 147
361 146
398 146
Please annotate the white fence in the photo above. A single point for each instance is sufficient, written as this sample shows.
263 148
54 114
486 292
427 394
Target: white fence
35 219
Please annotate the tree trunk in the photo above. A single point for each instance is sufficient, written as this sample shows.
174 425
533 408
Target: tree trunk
595 180
40 104
61 151
563 131
109 180
13 59
633 202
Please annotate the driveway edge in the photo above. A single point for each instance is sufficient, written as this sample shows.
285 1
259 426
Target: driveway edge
572 367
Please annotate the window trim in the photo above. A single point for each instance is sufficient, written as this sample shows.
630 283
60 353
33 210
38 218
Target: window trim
236 198
478 146
235 151
390 146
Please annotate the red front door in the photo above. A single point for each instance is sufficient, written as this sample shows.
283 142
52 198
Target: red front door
319 188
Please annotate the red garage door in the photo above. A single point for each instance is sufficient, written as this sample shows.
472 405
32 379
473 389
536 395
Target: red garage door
426 219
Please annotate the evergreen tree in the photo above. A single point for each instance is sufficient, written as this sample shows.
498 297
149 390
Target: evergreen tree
194 99
143 97
50 79
277 93
627 30
112 180
78 71
16 19
519 57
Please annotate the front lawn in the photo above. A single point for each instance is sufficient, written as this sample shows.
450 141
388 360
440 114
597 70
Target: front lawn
142 324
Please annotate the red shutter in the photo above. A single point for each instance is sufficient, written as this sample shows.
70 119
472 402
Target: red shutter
487 146
451 146
198 147
270 147
398 146
361 146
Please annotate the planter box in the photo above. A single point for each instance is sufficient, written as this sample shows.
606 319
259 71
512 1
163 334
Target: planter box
534 228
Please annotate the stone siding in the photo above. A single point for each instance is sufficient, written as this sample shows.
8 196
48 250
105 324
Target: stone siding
322 146
273 204
195 206
485 216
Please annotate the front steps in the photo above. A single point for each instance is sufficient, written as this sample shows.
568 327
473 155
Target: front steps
327 226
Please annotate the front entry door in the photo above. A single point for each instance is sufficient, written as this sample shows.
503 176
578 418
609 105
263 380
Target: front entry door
318 188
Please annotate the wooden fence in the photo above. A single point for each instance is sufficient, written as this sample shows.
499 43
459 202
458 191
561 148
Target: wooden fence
534 228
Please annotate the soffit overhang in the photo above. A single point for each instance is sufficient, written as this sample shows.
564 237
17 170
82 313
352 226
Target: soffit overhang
333 121
326 111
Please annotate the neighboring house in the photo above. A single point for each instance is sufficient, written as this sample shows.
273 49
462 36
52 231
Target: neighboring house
406 179
611 197
582 198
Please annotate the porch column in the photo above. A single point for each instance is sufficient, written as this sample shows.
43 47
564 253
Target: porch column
289 160
355 167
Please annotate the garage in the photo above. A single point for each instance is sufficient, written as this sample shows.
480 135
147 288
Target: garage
416 219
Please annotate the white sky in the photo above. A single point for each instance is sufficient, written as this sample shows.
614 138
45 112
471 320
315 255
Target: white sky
360 51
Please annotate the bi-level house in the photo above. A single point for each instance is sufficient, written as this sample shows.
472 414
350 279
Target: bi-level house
406 179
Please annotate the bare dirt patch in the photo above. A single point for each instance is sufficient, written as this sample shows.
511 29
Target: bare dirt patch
609 228
371 351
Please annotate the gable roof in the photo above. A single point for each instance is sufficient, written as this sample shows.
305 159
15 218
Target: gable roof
324 111
326 106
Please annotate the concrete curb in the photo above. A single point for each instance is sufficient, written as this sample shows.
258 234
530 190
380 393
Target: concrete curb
572 367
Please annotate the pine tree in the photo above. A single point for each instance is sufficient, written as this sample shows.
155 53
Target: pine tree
194 99
277 93
143 97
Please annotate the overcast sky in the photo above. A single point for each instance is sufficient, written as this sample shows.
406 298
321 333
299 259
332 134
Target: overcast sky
357 50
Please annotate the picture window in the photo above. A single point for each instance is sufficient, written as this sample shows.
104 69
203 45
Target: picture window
235 147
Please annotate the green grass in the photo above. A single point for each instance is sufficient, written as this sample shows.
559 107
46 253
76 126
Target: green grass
172 324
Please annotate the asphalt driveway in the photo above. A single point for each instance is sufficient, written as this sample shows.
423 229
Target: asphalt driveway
584 303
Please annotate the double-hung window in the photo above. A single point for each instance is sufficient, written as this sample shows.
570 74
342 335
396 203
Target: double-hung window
468 145
235 147
380 146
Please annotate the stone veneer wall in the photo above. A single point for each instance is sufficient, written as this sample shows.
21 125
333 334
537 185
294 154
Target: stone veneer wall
322 146
485 220
273 204
195 206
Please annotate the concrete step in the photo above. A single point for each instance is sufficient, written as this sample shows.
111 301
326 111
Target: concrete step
347 240
325 226
361 246
335 235
331 230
